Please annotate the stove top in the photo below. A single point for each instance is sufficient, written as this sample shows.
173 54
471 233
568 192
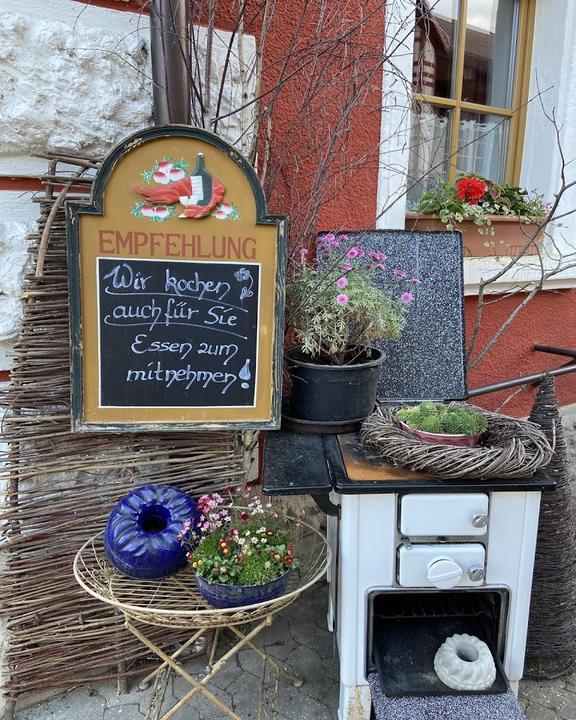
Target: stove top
307 464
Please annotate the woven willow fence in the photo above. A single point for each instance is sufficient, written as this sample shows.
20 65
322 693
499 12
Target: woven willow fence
61 486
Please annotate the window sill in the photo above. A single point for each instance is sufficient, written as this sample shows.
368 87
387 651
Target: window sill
522 277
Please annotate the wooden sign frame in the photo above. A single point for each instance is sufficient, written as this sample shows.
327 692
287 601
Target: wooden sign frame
88 246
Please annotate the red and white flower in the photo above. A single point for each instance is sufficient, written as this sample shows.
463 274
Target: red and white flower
161 211
222 211
155 211
167 173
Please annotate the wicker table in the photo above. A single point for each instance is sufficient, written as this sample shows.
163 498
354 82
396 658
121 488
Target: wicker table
174 602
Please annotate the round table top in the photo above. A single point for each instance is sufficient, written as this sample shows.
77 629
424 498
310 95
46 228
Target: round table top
175 602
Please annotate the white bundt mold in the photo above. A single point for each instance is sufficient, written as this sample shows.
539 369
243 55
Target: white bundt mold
464 662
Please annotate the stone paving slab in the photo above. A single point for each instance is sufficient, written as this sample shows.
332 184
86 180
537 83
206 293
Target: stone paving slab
298 637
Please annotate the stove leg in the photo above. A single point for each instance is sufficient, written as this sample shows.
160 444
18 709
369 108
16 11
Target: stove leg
514 685
355 702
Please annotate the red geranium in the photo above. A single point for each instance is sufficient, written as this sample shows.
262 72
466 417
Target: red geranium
470 189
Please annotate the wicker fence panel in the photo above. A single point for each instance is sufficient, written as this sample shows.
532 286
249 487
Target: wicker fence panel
60 486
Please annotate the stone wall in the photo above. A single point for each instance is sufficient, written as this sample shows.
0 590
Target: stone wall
77 80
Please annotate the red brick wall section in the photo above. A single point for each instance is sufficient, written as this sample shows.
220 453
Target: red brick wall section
303 124
128 5
550 319
226 12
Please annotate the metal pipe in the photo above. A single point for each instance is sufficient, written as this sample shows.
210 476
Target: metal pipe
536 378
555 350
170 57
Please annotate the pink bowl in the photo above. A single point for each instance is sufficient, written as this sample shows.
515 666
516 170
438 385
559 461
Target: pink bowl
461 440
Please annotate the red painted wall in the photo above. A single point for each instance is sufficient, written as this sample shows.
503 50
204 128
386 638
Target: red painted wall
550 319
304 123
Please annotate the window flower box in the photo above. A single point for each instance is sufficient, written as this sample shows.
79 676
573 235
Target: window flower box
505 236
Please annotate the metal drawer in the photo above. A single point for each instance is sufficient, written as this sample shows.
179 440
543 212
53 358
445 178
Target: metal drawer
446 514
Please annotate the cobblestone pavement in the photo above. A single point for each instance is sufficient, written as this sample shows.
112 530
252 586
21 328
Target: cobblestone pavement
297 637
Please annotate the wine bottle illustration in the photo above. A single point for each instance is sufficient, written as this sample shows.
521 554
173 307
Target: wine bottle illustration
245 375
201 182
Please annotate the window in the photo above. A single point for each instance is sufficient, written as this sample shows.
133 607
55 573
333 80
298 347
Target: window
470 79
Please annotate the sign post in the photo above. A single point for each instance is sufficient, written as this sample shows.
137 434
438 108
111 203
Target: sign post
176 290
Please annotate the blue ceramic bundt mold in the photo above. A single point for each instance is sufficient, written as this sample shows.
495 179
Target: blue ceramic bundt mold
141 536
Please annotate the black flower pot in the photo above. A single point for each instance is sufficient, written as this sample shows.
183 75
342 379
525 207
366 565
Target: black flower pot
325 393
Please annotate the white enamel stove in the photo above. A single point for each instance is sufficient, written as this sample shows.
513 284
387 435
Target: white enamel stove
446 541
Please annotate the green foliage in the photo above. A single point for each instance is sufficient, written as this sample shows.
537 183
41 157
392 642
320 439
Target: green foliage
498 199
443 419
432 424
244 553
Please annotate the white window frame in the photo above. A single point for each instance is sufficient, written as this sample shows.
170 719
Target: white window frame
553 74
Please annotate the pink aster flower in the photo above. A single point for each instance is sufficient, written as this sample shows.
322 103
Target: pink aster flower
330 241
399 273
414 281
353 253
346 266
303 254
342 299
378 257
342 282
406 297
343 238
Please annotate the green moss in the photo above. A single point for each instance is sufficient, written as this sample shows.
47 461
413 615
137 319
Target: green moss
438 418
431 424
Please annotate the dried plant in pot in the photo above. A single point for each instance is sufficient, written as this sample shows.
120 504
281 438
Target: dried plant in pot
339 303
445 424
495 219
242 554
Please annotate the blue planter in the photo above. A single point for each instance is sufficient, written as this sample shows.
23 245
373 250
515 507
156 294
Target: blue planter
222 595
141 536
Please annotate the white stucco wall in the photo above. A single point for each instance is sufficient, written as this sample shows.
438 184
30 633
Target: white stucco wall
13 258
77 80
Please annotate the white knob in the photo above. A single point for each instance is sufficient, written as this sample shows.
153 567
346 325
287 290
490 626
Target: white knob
444 573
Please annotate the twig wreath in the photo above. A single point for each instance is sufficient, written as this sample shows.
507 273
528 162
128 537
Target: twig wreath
509 448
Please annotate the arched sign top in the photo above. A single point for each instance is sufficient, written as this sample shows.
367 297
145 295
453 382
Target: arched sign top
129 144
173 265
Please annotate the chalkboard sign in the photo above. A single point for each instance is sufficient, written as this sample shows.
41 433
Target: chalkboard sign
176 294
177 334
